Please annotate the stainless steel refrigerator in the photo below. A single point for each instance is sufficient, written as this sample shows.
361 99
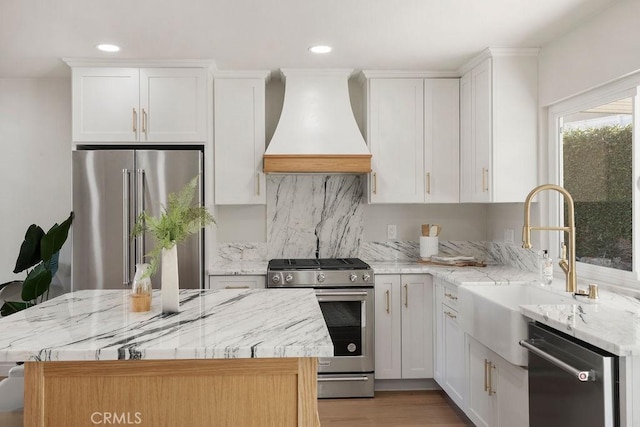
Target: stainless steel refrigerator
110 189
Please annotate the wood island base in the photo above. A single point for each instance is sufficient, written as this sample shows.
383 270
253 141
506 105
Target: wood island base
203 392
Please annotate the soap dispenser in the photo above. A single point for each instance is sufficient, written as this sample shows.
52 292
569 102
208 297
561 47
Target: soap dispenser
546 269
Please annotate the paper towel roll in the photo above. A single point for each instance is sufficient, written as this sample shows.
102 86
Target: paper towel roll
428 246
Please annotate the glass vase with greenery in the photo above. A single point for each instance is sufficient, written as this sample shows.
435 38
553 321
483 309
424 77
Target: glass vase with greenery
179 220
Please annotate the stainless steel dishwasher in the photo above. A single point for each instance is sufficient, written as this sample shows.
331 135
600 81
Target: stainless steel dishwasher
571 383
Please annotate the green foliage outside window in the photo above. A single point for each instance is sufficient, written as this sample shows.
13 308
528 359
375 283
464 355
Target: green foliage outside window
598 173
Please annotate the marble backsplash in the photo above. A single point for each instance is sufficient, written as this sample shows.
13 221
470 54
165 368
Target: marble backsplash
491 252
314 216
321 216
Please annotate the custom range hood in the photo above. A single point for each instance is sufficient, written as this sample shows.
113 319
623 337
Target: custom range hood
317 132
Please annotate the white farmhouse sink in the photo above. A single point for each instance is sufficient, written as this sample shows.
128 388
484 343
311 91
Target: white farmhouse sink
491 315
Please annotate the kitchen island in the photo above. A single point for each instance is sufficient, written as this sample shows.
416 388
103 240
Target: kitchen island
230 357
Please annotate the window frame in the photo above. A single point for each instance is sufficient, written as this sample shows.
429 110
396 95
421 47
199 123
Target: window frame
552 208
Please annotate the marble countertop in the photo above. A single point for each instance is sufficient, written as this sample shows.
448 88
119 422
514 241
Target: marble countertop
234 268
230 323
491 274
612 323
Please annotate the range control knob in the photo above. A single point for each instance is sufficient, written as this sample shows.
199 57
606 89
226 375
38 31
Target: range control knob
275 279
288 278
321 277
353 277
366 277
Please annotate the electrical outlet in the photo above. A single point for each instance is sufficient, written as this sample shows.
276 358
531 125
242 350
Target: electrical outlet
508 235
392 232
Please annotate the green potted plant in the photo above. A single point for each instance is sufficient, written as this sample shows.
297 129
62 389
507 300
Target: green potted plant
39 250
178 220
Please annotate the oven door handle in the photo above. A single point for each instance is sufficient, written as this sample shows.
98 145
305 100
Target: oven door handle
582 376
341 293
331 379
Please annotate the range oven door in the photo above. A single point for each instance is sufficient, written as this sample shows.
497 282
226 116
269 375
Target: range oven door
349 315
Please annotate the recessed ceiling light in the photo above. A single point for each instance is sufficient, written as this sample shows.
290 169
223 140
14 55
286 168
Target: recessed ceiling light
105 47
320 49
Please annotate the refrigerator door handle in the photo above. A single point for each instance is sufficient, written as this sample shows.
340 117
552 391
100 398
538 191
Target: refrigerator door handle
139 210
126 231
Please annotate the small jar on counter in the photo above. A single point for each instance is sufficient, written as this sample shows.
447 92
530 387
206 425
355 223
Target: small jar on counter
141 289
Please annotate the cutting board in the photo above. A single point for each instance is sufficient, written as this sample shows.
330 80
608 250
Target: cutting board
455 264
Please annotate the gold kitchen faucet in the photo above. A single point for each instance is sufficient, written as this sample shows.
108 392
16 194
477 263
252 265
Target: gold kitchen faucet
567 264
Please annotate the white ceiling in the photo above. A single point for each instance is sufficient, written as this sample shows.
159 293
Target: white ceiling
270 34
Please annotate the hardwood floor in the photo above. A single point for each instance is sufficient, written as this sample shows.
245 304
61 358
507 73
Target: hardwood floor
393 408
390 408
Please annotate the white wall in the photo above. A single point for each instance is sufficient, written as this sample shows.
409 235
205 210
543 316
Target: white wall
602 49
35 163
458 221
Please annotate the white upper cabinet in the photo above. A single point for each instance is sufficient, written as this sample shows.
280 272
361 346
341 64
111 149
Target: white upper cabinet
396 139
413 134
239 138
441 140
173 103
498 126
105 104
115 104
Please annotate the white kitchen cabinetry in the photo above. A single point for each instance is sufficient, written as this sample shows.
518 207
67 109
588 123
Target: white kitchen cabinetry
404 326
449 363
396 139
498 126
413 133
114 104
239 137
237 282
497 390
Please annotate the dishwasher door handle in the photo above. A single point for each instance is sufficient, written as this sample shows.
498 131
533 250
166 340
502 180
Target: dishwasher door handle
582 376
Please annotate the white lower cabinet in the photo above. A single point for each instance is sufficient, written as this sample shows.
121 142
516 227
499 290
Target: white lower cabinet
491 391
404 326
237 282
449 366
498 390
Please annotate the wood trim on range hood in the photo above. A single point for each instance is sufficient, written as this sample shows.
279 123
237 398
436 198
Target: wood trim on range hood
317 131
317 163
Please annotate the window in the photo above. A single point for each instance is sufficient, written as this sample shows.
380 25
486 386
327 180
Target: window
593 149
597 171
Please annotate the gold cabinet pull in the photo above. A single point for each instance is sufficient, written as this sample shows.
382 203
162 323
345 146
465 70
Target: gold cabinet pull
237 287
406 295
258 181
486 375
428 182
485 187
386 294
450 296
134 116
144 122
491 391
450 314
375 183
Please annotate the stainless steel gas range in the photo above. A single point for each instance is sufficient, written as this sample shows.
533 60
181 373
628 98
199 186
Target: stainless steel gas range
344 287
